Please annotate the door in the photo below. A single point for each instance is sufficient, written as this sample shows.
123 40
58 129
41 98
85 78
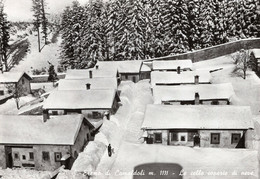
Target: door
10 160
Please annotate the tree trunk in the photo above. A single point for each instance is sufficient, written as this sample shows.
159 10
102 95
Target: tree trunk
39 40
5 61
17 103
44 21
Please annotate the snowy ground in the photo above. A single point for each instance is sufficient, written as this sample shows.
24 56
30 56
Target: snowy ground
9 107
196 162
129 152
23 174
36 60
123 133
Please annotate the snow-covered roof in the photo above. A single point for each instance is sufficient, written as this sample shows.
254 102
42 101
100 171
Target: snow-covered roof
58 130
127 66
12 77
197 117
186 77
81 99
80 84
96 73
172 64
187 92
256 52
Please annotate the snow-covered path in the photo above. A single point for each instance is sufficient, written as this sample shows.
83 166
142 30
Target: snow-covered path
129 117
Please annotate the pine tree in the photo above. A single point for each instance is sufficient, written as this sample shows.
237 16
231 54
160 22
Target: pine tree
44 22
4 38
36 8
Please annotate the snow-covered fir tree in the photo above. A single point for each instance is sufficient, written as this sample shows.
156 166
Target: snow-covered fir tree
141 29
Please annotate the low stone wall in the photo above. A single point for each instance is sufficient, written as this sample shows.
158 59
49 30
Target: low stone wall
215 51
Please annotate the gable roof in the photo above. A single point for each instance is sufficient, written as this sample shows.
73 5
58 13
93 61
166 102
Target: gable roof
80 84
127 66
96 73
187 92
186 77
197 117
81 99
58 130
256 52
172 64
13 77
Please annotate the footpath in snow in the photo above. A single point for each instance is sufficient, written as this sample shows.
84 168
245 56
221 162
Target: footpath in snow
123 126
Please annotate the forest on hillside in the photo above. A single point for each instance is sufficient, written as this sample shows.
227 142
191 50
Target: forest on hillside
142 29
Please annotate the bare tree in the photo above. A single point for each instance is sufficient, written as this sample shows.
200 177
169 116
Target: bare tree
241 59
17 91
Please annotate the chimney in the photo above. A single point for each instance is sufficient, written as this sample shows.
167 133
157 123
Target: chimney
178 70
46 115
97 67
197 99
88 86
196 79
90 74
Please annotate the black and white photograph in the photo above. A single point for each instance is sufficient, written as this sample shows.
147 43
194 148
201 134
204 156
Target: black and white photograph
129 89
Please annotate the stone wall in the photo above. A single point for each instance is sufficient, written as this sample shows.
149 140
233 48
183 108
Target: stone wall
215 51
225 138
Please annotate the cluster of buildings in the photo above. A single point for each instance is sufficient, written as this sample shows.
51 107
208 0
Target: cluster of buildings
71 115
188 110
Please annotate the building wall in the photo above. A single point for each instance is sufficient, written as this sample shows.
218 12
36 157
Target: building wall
164 136
26 85
20 161
225 138
82 140
132 77
2 156
205 137
145 75
50 165
221 102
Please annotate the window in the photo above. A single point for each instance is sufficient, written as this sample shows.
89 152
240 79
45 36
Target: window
183 138
134 79
158 137
126 77
23 157
96 115
215 102
54 112
1 92
46 156
166 103
31 155
235 138
174 136
16 156
57 156
215 138
23 81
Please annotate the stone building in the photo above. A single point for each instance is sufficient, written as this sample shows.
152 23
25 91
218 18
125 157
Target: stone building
93 103
19 80
182 78
213 126
84 84
28 141
194 94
